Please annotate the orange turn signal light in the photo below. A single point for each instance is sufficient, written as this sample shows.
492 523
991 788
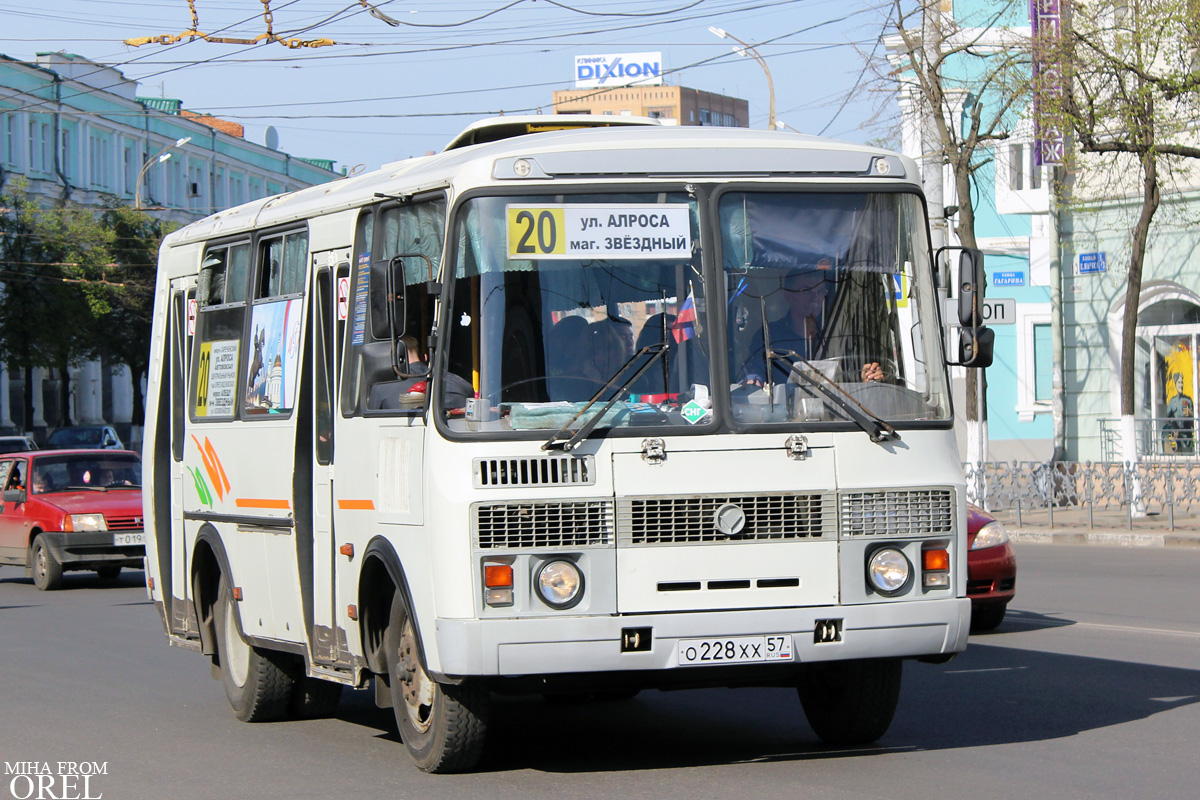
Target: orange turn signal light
498 576
935 560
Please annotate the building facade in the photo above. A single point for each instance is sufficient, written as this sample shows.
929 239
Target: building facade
671 105
1022 228
78 131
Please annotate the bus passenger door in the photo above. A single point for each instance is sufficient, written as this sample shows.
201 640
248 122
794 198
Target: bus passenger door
328 305
181 326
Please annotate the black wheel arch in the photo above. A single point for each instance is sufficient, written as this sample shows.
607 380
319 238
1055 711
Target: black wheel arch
209 563
380 579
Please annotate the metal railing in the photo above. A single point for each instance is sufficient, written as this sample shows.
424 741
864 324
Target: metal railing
1086 489
1156 437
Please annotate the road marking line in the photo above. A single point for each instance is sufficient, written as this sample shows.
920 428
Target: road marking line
1102 626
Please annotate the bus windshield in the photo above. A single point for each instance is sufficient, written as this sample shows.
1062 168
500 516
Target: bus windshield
831 289
562 303
560 299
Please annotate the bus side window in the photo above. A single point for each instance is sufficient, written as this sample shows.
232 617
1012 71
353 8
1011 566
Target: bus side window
355 333
412 233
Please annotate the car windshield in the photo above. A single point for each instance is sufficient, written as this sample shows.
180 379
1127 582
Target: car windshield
833 288
63 473
77 437
562 299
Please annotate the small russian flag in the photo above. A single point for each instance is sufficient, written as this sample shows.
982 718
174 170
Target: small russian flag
684 327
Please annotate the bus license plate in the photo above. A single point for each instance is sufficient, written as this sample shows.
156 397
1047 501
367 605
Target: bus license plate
735 650
122 539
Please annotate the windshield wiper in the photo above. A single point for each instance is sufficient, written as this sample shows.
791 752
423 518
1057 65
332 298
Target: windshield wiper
657 351
873 425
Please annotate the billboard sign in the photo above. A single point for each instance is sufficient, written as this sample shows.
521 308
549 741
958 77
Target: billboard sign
621 69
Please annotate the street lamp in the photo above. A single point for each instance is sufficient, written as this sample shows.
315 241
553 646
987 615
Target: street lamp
162 156
744 48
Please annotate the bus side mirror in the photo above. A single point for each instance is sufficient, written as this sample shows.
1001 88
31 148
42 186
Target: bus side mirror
975 347
971 283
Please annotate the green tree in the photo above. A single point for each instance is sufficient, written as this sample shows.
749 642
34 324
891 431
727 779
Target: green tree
1129 93
46 318
130 305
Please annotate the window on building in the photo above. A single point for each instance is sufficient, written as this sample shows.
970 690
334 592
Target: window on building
100 171
1035 361
8 127
219 190
256 187
1016 166
66 162
1043 363
41 146
129 168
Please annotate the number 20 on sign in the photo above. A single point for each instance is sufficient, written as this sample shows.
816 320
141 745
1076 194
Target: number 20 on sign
534 232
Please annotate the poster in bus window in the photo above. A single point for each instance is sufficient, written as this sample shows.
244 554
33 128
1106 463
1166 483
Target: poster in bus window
273 357
216 386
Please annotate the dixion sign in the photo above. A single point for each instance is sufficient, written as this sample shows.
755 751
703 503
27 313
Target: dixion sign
622 69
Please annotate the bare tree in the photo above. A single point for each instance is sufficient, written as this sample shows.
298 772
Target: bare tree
965 81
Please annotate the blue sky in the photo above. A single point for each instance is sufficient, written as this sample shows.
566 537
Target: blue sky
385 92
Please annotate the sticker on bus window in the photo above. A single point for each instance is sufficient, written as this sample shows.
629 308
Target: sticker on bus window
606 230
273 358
216 385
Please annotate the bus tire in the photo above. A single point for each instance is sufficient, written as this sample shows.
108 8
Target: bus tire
851 702
313 698
47 572
443 726
257 686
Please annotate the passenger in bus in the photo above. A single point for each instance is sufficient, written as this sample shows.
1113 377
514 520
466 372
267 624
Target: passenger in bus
795 315
412 391
571 370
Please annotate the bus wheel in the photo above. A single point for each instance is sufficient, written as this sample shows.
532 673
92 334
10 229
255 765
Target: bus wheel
256 685
313 698
47 572
851 702
443 726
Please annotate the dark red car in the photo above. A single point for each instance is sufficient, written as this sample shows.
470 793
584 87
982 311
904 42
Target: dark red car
991 569
71 510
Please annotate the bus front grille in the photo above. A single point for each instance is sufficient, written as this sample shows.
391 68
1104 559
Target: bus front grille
496 473
580 523
694 520
900 511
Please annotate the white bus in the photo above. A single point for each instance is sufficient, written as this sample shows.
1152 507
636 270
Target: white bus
577 412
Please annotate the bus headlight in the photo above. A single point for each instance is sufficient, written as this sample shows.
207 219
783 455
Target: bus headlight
560 583
889 571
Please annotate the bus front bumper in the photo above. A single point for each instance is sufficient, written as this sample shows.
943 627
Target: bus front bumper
571 644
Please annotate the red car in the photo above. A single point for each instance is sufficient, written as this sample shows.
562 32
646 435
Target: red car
71 510
991 569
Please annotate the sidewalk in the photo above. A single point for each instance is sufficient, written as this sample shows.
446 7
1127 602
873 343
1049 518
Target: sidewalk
1108 527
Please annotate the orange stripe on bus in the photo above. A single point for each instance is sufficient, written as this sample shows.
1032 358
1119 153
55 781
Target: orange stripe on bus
253 502
356 505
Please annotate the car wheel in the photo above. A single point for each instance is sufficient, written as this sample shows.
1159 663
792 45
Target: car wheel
987 618
255 682
47 572
443 726
851 702
313 698
108 573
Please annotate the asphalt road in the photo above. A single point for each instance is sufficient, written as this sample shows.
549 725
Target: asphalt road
1088 690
